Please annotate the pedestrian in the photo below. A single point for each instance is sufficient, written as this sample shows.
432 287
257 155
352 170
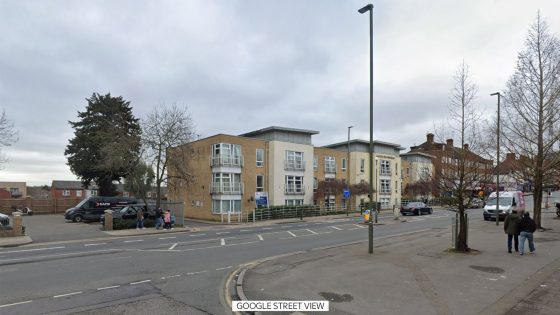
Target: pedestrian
511 228
139 219
167 220
527 227
159 219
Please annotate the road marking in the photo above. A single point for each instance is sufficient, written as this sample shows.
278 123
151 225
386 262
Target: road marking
312 232
201 234
224 268
67 294
360 226
336 228
143 281
59 255
166 238
292 234
223 242
320 223
18 303
95 244
107 288
244 243
260 237
222 233
167 277
267 228
172 246
195 273
32 250
244 230
131 241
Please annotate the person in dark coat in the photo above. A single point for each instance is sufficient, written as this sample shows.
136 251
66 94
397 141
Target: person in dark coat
511 228
527 227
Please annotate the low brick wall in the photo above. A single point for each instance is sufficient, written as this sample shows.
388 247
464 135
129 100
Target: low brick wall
15 230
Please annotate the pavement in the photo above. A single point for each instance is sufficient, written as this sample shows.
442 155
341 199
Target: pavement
416 273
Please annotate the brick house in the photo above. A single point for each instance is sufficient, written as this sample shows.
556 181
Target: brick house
16 189
71 189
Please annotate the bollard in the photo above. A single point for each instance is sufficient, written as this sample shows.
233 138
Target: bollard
108 220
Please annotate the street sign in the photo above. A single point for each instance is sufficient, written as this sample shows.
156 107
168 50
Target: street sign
346 194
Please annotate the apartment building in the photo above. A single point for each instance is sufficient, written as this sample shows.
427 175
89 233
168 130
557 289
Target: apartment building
386 170
417 172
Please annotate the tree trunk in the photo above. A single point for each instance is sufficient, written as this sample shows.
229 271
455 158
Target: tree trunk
461 243
537 199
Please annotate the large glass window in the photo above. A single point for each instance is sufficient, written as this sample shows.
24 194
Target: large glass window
315 163
260 157
226 154
225 206
226 183
385 186
315 183
385 167
294 184
260 182
294 202
330 164
294 160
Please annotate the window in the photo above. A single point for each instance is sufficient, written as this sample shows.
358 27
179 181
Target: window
385 186
315 183
344 164
294 202
226 206
294 161
94 192
226 183
125 194
396 185
330 164
260 157
362 165
384 202
226 154
385 167
260 182
315 163
66 193
397 169
78 193
294 184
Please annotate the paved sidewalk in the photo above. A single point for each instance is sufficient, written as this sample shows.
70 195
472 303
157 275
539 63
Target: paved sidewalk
414 274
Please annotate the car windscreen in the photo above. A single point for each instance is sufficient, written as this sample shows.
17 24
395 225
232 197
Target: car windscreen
83 202
504 201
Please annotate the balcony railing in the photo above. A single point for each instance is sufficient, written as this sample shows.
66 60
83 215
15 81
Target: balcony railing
291 165
227 188
294 190
226 160
330 169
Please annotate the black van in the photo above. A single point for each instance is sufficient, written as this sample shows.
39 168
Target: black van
92 208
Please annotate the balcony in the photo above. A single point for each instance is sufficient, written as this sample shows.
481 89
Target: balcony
294 190
226 188
330 169
226 160
294 165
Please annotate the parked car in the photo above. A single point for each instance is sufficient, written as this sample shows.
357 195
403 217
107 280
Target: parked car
130 212
475 203
4 220
416 208
91 208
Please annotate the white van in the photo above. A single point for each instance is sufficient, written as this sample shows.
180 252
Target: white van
509 200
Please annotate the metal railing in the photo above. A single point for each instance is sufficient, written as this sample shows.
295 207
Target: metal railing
227 188
294 165
297 212
226 160
294 190
330 168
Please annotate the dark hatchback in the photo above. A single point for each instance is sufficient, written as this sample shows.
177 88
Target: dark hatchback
416 208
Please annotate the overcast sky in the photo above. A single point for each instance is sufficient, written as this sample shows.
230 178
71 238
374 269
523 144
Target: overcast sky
244 65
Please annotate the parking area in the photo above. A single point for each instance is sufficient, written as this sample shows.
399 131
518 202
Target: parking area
53 228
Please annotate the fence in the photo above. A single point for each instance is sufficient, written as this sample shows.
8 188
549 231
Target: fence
39 206
177 209
288 212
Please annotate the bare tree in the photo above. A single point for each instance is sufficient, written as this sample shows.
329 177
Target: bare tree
531 105
8 134
460 171
165 128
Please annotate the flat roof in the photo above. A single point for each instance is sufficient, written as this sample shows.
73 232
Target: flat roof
277 128
344 143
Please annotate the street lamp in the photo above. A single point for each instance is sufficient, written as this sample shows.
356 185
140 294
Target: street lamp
498 163
363 10
348 170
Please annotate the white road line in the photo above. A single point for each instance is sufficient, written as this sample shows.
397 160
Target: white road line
260 237
360 226
59 255
320 223
32 250
143 281
201 234
131 241
172 246
167 277
195 273
244 243
244 230
223 242
67 294
18 303
224 268
222 233
166 238
267 228
95 244
107 288
292 234
312 232
336 228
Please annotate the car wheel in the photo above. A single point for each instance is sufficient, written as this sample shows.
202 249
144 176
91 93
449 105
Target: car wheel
417 212
78 218
431 211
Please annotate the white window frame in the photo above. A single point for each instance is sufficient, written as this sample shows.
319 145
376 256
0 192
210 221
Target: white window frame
226 206
315 183
385 167
78 193
293 202
343 164
260 188
385 186
330 164
294 184
66 193
294 160
363 165
315 163
260 160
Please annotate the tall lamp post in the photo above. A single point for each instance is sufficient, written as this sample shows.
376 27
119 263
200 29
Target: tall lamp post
498 163
348 169
363 10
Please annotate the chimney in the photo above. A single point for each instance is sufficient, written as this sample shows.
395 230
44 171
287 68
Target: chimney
466 146
450 143
430 138
510 156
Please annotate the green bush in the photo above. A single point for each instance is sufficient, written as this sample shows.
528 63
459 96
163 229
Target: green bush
120 224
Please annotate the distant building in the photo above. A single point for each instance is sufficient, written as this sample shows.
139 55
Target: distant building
71 189
16 189
417 173
39 192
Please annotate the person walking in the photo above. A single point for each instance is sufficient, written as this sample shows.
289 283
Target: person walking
167 220
139 219
511 228
159 219
527 227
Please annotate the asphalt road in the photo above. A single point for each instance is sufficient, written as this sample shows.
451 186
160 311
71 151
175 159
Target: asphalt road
181 272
